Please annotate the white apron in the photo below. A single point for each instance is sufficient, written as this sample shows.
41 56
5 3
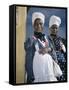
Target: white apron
43 67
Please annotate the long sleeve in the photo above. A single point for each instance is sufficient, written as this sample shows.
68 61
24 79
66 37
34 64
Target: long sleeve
30 50
52 53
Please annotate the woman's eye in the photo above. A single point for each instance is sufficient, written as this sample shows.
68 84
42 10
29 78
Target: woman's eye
40 23
54 28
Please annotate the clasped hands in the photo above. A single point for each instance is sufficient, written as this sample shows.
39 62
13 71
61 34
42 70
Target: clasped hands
44 50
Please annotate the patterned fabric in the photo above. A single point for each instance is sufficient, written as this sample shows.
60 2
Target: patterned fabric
62 62
60 56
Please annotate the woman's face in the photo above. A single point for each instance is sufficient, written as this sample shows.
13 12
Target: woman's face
54 29
38 25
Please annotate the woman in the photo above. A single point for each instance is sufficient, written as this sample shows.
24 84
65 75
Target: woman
57 44
42 60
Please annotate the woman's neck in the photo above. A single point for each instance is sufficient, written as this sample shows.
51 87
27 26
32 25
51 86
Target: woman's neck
36 32
39 35
53 36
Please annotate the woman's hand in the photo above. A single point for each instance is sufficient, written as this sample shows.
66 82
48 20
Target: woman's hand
44 50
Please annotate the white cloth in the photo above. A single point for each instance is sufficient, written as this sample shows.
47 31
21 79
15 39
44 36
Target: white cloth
43 68
57 70
54 20
39 15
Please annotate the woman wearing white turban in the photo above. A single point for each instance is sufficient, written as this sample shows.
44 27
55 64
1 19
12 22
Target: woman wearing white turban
57 44
42 61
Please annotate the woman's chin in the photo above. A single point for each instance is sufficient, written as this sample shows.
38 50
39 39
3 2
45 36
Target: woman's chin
40 30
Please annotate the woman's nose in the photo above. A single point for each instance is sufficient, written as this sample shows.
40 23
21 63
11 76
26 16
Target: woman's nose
39 25
55 30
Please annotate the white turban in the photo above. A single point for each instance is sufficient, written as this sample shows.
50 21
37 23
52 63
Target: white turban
54 20
39 15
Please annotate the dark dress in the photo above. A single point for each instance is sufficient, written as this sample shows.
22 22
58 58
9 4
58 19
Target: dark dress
59 55
29 46
30 50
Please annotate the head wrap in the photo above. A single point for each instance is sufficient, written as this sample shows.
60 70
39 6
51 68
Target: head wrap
54 20
39 15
